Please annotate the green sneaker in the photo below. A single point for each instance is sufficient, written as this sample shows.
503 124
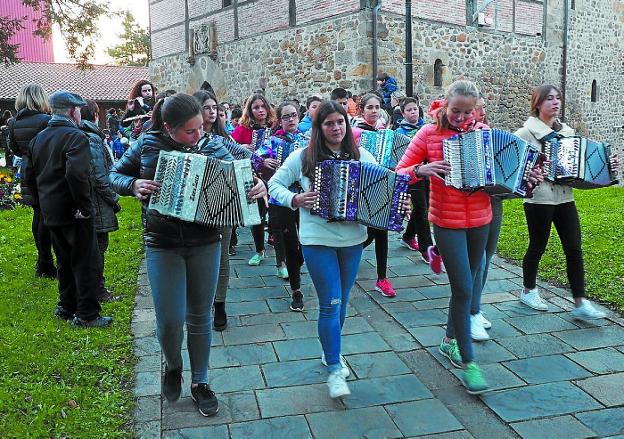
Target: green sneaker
282 272
256 259
451 351
473 379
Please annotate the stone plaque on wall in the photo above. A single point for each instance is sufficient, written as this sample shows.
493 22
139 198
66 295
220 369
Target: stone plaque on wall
204 41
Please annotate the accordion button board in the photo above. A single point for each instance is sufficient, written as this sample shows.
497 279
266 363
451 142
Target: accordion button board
387 146
203 190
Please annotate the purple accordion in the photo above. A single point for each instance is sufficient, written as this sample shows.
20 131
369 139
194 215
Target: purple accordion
363 192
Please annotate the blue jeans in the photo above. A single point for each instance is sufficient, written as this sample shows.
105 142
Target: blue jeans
183 283
490 249
333 271
462 252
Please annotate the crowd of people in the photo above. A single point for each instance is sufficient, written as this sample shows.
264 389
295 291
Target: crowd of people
72 178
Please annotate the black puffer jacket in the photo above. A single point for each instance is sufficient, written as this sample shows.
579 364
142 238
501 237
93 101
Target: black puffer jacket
22 129
103 197
140 161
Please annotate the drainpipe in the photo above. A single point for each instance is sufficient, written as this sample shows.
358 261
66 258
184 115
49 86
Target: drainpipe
376 9
564 60
409 73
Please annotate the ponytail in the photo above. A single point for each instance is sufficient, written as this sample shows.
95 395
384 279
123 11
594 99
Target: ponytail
175 110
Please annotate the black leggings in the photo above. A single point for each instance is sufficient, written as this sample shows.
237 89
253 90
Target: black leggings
418 225
257 232
539 218
381 250
284 225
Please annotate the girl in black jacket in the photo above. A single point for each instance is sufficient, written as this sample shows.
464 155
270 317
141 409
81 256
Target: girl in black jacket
182 258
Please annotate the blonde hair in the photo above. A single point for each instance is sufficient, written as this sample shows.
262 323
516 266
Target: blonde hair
458 88
34 98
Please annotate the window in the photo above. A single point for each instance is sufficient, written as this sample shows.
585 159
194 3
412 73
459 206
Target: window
594 91
292 13
437 73
573 4
227 3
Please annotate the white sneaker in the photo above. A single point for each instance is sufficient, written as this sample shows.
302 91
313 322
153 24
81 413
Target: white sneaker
337 385
477 331
587 312
484 322
345 369
533 300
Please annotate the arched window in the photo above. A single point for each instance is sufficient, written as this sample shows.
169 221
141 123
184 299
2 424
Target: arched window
573 4
292 13
437 73
594 91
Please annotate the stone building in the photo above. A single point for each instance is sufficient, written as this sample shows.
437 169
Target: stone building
304 47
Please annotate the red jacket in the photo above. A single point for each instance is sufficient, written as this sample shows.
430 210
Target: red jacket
242 135
448 207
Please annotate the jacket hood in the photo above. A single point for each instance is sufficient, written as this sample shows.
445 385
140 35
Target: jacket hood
539 129
91 128
25 112
411 126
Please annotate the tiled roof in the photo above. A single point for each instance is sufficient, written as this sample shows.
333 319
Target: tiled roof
102 83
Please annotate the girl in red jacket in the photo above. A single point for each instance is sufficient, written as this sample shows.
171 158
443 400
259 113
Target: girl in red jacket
460 221
257 114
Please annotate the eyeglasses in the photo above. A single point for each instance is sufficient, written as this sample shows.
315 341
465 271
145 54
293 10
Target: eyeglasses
209 107
289 116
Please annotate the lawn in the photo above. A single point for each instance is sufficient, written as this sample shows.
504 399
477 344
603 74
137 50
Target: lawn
602 224
56 381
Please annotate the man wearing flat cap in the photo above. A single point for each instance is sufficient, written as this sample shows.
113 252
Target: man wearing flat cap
59 161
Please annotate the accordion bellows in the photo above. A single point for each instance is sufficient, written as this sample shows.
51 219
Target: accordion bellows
387 146
203 190
579 162
493 160
363 192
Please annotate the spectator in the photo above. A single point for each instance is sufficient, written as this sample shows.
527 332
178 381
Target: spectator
395 101
387 85
312 104
112 122
58 167
140 101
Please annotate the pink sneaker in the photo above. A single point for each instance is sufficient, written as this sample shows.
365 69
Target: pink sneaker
435 260
385 288
411 244
425 257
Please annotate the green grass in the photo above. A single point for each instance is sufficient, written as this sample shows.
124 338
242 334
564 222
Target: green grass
602 225
45 365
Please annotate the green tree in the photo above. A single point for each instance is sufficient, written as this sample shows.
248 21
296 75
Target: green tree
133 50
77 20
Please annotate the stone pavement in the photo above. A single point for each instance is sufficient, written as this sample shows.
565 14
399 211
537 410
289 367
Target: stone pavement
550 376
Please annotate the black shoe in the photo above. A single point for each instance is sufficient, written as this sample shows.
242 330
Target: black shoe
62 313
297 301
106 295
205 399
45 270
172 384
98 322
220 317
232 251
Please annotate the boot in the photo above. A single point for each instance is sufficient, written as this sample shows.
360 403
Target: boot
220 318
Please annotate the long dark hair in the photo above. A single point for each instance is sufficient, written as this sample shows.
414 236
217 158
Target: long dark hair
316 147
202 96
136 89
176 110
247 120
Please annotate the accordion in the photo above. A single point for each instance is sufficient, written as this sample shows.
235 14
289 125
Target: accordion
203 190
579 162
259 137
238 152
283 148
493 160
386 146
363 192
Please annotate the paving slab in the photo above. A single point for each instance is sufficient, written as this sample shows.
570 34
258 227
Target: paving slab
561 426
497 376
385 390
547 369
606 422
197 432
600 361
598 337
419 418
373 365
540 323
253 334
539 401
298 349
294 373
370 423
428 335
291 427
284 401
235 379
427 317
608 389
534 345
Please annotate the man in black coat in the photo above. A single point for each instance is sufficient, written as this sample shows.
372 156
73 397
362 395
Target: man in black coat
58 174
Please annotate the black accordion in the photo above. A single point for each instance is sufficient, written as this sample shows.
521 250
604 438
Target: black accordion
367 193
387 146
203 190
579 162
493 160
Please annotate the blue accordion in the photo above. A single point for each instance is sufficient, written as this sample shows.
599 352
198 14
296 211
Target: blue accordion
579 162
363 192
386 146
493 160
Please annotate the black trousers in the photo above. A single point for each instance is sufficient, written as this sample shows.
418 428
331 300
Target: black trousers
539 219
257 232
284 223
381 250
79 268
43 241
418 225
102 240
